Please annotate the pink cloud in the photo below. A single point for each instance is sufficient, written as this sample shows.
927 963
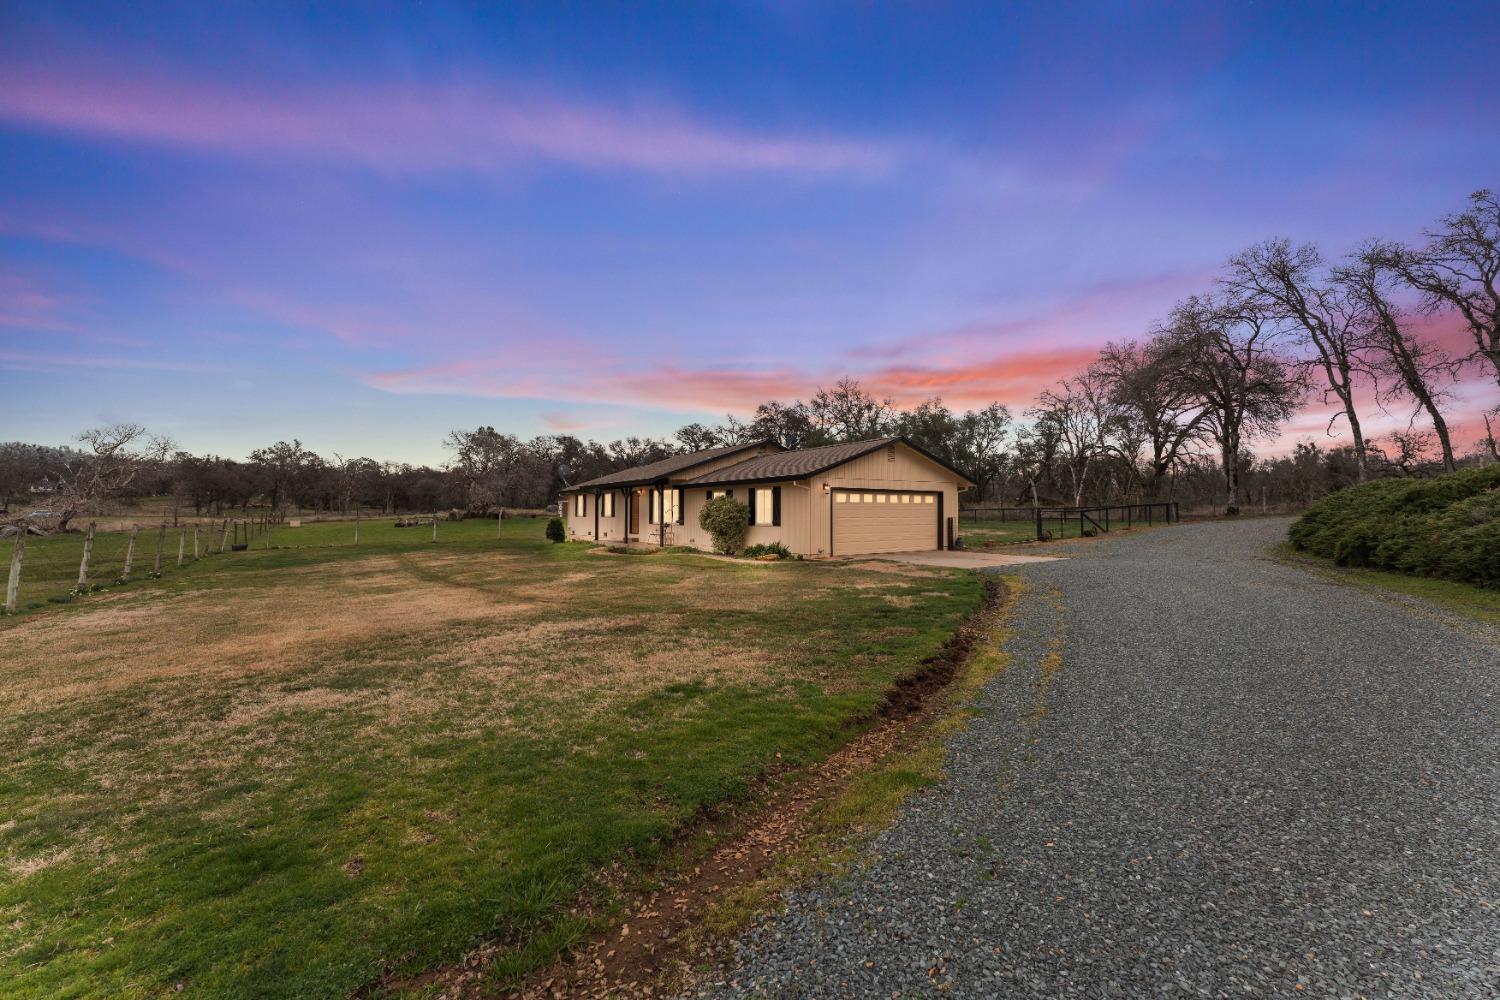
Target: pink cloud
568 423
26 304
412 127
1120 309
1012 378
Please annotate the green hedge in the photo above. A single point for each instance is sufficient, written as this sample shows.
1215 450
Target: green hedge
1447 527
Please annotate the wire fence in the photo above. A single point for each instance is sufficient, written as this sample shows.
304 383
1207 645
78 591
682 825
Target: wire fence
61 567
998 524
57 568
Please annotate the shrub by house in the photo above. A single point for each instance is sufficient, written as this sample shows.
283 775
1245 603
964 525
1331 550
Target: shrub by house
727 522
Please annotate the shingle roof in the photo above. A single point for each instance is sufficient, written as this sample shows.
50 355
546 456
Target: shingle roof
656 470
792 464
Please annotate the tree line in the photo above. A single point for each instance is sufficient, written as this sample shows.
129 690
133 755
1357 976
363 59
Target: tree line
1282 325
1172 415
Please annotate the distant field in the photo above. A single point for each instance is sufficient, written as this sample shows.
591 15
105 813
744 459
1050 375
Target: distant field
285 772
50 565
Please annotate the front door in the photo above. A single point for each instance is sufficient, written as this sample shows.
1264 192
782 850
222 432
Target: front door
634 499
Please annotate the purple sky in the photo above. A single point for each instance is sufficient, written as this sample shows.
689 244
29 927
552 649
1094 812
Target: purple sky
363 226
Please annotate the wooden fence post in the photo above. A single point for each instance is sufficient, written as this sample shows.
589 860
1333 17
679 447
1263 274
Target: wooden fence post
356 526
195 542
224 535
88 551
268 534
1038 512
181 545
13 585
130 552
434 527
499 523
161 540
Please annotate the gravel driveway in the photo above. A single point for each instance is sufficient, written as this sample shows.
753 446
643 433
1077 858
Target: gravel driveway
1239 781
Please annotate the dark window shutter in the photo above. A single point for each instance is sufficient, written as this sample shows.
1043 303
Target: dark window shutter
752 506
776 505
681 505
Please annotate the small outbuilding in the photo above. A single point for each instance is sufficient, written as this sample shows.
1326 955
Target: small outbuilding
859 498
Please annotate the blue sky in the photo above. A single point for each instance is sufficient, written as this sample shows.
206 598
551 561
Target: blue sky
363 225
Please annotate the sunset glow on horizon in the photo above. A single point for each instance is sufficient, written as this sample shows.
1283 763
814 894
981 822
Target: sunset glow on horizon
363 226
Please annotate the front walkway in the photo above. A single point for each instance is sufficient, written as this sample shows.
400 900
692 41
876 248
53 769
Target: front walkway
955 558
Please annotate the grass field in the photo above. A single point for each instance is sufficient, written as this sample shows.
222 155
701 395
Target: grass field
999 532
287 772
1016 530
50 565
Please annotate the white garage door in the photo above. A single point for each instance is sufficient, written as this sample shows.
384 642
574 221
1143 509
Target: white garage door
871 521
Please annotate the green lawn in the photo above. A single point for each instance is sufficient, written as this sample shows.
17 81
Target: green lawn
285 772
1024 530
999 532
50 565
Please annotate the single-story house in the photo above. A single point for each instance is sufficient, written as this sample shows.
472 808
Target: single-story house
860 498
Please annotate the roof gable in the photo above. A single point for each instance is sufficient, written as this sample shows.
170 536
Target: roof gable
653 471
810 462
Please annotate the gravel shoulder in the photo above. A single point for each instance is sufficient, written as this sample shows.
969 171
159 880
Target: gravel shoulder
1206 773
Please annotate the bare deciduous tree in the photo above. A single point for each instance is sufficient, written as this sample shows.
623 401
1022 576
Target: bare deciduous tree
848 413
1227 352
697 437
284 465
1412 368
1410 449
110 459
1459 269
788 424
1082 416
1288 283
1142 380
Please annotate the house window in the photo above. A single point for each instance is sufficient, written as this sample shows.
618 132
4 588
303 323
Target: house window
765 505
580 501
715 494
608 510
671 499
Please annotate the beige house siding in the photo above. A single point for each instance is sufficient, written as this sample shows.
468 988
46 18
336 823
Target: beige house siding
907 472
611 529
806 505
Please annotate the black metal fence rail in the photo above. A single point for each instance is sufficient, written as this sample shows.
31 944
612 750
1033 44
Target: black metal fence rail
1043 523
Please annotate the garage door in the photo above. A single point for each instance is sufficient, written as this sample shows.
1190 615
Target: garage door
871 521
